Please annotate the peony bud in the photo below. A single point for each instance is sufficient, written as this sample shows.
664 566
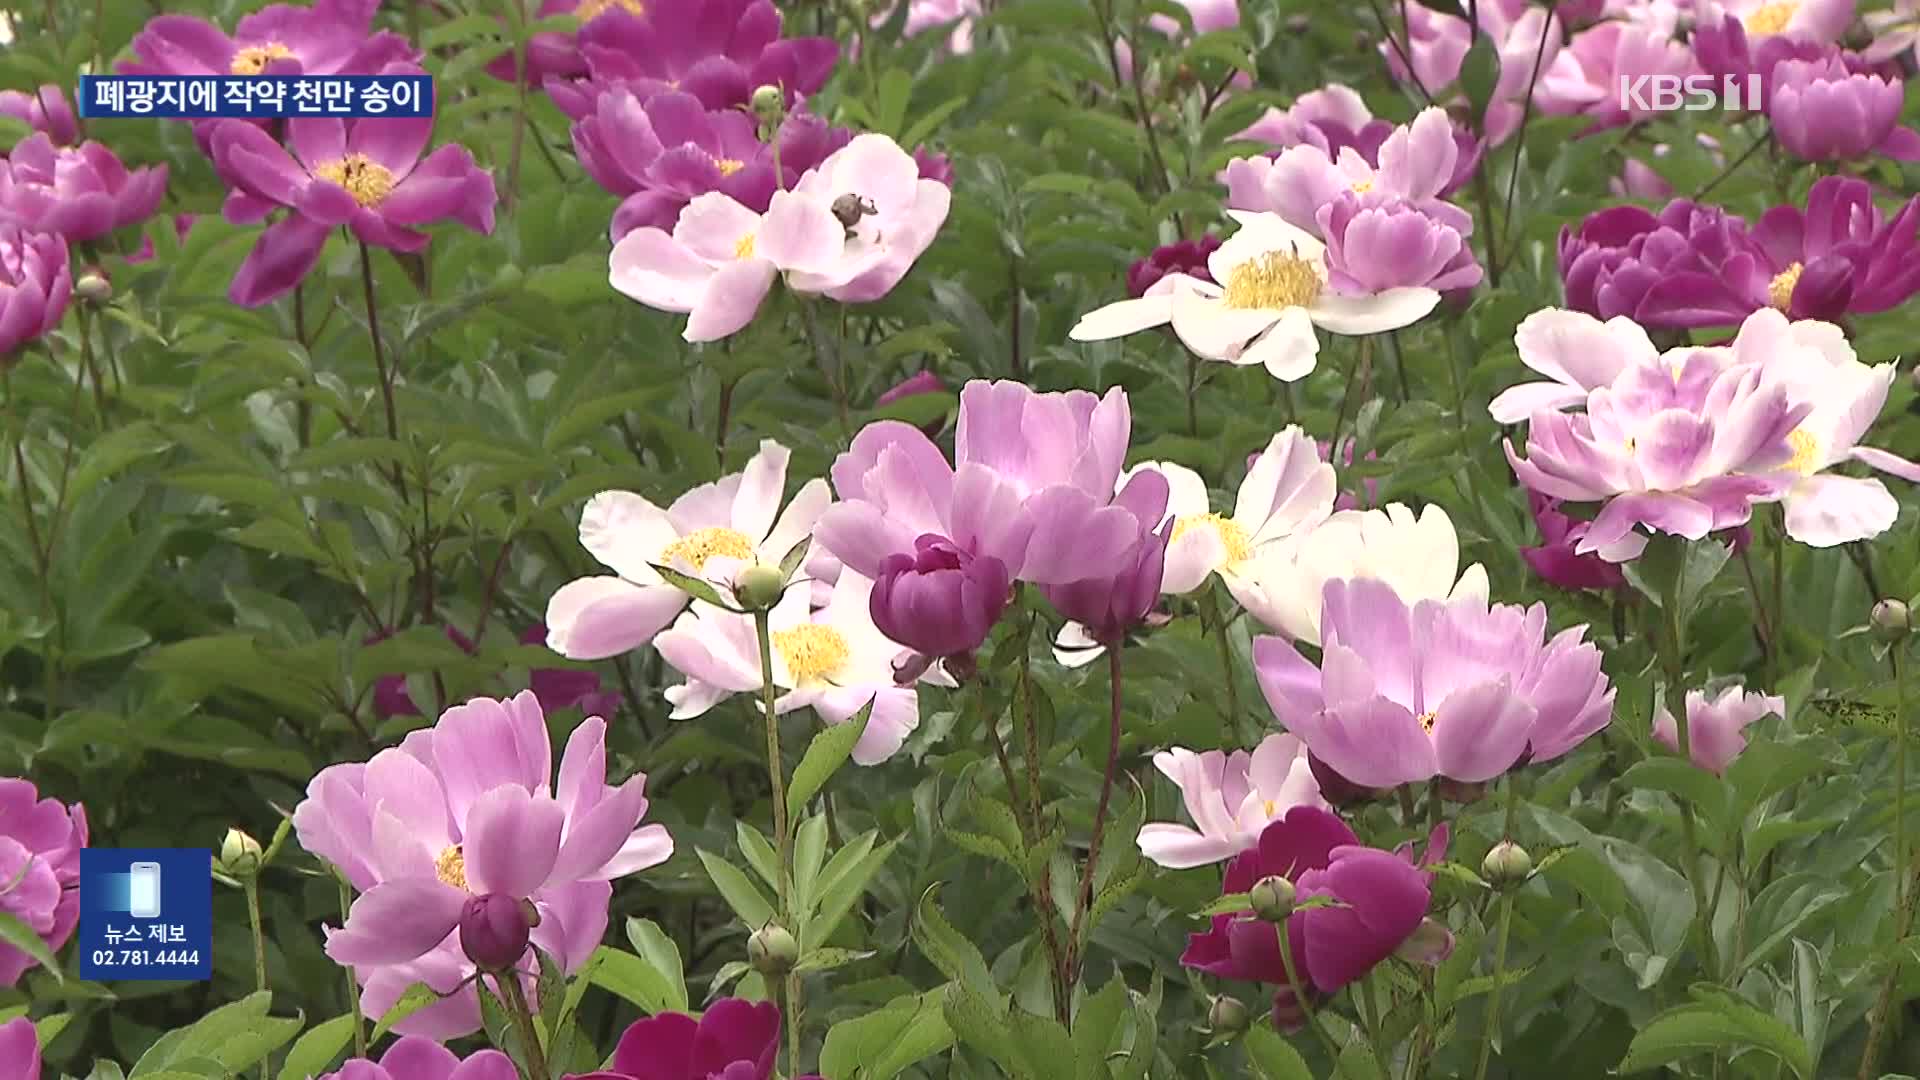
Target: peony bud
239 854
494 930
1507 864
772 950
1891 620
93 286
1272 898
769 106
758 587
1227 1016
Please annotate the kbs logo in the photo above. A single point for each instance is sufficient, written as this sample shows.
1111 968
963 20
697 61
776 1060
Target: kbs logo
1689 93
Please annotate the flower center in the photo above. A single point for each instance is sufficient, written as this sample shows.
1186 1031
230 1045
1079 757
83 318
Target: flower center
1268 806
1361 187
812 652
1780 289
593 9
1771 18
1426 722
451 868
1806 448
368 181
728 166
695 548
254 59
1233 535
744 248
1276 279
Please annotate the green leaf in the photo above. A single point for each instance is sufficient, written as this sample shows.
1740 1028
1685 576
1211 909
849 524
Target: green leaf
825 754
1682 779
1715 1023
949 950
316 1050
636 980
236 1036
841 885
692 586
809 855
19 935
1096 1028
660 953
1273 1057
828 959
759 853
417 997
879 1045
1226 905
740 893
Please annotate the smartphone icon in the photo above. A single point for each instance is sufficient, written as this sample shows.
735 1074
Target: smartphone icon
143 893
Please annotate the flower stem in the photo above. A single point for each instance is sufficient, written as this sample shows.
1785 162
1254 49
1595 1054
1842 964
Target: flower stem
250 885
516 999
380 362
1084 902
1301 998
1673 659
1364 363
1211 608
353 988
783 832
1499 953
1903 923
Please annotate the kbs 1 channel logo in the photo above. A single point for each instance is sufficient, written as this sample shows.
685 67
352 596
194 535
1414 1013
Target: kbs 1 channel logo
1643 94
256 97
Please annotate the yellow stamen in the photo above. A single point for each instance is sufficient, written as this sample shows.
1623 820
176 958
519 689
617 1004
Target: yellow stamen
254 59
368 181
1233 535
1268 806
728 166
1780 289
1275 279
1426 722
1806 449
593 9
695 548
812 652
451 868
1361 187
744 248
1771 18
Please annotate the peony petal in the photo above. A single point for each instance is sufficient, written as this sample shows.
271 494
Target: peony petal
512 840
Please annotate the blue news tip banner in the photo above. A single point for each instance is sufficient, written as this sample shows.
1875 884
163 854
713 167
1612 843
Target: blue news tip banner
146 913
259 97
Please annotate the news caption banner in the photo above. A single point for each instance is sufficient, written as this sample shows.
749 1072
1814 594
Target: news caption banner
146 914
260 97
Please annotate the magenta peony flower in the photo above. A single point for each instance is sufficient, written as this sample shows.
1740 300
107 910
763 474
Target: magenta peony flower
1556 561
1104 607
1381 900
1688 266
1715 725
466 808
19 1049
35 285
1408 692
40 842
1821 111
46 110
732 1040
494 931
1232 798
1032 487
552 54
82 193
719 51
568 688
941 600
417 1058
920 382
332 37
1187 257
366 174
182 225
1839 255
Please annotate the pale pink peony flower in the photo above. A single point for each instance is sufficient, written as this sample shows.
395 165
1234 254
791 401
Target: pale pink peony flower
1715 726
1231 799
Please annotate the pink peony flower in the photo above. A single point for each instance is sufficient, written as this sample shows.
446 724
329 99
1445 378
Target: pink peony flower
46 110
1589 74
366 174
1379 243
1104 607
40 842
417 1058
1416 163
1460 689
35 286
1821 111
1231 798
920 382
19 1049
940 601
712 532
1556 560
82 192
1818 21
466 808
331 37
1715 725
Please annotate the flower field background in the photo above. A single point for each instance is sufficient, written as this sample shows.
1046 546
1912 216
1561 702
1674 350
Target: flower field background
970 538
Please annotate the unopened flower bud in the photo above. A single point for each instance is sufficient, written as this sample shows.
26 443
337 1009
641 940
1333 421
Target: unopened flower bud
494 930
1507 864
769 105
1228 1016
772 950
239 854
93 286
758 587
1891 620
1272 898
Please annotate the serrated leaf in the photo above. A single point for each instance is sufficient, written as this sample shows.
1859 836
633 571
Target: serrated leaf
879 1045
949 950
1273 1057
1717 1023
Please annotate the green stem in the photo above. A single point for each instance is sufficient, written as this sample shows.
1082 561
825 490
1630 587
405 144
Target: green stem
516 1000
251 886
1301 998
783 832
1903 920
1673 657
1083 902
353 988
1499 951
1362 364
380 364
1211 610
